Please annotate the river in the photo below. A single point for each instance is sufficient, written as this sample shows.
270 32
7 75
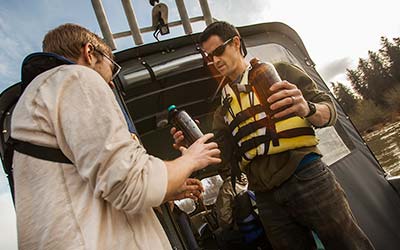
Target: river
385 143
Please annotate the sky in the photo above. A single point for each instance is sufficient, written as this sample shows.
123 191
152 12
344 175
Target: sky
335 33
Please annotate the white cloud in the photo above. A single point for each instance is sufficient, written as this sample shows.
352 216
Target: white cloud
8 235
332 70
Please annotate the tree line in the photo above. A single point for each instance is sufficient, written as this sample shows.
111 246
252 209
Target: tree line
374 95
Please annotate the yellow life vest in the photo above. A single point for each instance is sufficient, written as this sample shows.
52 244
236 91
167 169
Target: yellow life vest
247 120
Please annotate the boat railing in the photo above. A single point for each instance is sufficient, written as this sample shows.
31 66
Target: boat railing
159 15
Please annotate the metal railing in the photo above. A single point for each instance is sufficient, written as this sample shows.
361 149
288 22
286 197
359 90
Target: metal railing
135 31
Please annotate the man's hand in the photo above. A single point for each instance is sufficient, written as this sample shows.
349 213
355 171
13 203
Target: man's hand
287 94
199 155
179 139
191 188
202 154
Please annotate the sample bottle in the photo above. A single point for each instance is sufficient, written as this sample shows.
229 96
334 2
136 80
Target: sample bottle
182 121
264 75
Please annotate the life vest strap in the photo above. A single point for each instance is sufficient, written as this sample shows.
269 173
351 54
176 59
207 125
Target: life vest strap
244 115
253 126
249 128
290 133
226 102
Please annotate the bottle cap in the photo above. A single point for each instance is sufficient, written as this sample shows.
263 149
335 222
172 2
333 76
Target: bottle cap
172 107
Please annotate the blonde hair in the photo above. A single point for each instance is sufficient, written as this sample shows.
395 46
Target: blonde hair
68 39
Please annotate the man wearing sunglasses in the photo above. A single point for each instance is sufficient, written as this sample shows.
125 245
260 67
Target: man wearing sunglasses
96 188
295 190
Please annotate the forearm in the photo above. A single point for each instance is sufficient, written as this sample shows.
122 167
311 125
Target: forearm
295 93
199 155
322 116
178 171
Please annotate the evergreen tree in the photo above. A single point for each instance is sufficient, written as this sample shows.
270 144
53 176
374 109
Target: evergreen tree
377 81
391 52
377 77
355 77
345 96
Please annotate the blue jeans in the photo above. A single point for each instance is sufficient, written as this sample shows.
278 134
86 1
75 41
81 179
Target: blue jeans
311 199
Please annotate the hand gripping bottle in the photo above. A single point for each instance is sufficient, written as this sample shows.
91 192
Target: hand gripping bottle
182 121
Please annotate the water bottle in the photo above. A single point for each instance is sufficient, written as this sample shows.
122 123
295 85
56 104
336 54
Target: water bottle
182 121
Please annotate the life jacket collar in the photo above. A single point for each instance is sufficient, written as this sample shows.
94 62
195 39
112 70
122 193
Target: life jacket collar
39 62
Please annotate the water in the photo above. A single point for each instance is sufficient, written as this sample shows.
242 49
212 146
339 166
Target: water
385 143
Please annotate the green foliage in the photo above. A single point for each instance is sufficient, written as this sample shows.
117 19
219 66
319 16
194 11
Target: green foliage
391 52
356 81
373 78
380 71
376 82
367 114
345 96
393 100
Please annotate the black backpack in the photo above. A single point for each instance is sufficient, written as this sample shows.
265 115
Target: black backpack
33 65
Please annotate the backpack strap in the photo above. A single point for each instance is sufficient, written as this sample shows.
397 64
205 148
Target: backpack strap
39 152
247 219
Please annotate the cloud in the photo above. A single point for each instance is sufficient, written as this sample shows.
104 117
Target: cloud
8 236
336 69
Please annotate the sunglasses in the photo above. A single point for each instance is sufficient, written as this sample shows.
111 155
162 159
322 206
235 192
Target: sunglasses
218 51
115 68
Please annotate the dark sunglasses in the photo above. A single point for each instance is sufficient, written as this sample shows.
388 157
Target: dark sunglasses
218 51
115 69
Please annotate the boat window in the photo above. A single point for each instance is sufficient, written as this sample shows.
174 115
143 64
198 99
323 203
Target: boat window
272 53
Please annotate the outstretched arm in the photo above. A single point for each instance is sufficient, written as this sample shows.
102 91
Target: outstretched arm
199 155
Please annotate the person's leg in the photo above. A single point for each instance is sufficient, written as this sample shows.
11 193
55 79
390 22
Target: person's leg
228 239
320 203
282 230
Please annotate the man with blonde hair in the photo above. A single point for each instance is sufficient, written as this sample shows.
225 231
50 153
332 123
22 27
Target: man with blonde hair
97 189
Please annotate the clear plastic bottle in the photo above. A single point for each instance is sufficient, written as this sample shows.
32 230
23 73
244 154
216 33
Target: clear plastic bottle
182 121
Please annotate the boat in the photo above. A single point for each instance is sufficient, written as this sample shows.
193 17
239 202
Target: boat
172 71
